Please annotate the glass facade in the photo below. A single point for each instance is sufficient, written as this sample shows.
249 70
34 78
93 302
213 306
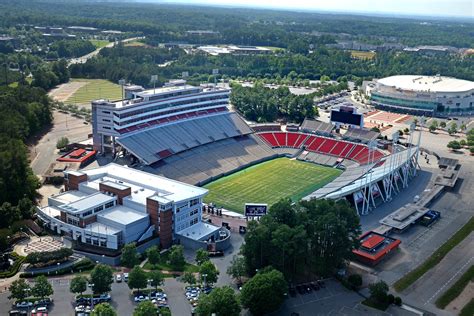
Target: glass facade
411 104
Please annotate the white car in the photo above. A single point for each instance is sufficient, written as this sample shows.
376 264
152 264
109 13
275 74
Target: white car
24 304
118 278
141 298
125 277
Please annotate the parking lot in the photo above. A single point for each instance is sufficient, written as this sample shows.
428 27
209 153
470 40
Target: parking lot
333 299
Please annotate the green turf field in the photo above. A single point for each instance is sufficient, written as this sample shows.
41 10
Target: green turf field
99 43
269 182
95 89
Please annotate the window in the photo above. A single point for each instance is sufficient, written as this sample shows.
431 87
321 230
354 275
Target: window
103 243
193 202
98 209
95 242
106 120
85 214
109 204
106 112
106 127
88 240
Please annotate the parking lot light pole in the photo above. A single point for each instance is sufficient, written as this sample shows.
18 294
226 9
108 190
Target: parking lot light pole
204 277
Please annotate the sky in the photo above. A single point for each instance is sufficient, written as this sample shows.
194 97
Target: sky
454 8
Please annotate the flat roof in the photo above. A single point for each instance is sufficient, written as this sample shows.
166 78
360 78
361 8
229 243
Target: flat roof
425 83
69 196
122 215
87 202
199 231
404 216
143 184
372 241
382 247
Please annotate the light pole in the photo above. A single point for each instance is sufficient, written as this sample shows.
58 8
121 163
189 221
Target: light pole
204 277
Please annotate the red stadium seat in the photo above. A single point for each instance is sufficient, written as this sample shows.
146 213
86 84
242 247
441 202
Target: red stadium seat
280 138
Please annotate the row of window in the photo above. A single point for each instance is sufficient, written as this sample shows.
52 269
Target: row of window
96 242
167 105
160 114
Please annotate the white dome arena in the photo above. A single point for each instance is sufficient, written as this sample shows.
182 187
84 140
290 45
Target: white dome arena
424 94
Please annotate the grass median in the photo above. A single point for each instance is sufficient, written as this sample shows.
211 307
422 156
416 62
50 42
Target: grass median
468 310
455 290
435 258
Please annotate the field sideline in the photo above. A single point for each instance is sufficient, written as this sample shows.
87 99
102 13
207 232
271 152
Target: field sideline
94 89
269 182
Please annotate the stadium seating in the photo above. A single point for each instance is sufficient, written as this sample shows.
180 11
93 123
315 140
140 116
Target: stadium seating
320 145
153 144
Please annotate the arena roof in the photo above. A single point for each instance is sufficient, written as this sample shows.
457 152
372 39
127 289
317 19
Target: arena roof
428 83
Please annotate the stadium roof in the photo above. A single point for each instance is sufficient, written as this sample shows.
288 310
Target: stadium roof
428 83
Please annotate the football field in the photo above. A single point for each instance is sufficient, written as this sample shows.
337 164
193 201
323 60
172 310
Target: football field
269 182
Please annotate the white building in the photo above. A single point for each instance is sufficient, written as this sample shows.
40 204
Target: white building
113 205
423 94
143 109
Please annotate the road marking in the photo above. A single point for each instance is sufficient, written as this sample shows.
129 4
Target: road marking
449 281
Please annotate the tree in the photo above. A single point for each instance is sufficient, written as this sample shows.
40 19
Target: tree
265 292
375 129
201 256
145 308
237 268
19 290
378 291
42 287
103 309
453 128
454 145
176 257
26 208
62 142
463 142
442 124
10 214
355 280
471 150
156 278
137 278
188 278
101 278
78 284
433 126
129 256
222 301
208 273
153 255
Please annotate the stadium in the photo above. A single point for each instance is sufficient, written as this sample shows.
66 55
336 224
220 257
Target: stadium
425 95
197 140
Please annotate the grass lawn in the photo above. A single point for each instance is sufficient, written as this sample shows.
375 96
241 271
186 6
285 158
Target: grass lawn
435 258
468 310
95 89
99 43
136 44
455 290
362 55
269 182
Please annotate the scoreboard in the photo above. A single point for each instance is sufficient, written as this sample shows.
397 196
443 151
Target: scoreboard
255 210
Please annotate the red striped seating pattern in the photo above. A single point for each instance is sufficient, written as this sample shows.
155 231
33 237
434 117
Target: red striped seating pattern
328 146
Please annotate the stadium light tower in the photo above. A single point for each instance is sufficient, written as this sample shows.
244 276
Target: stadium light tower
122 84
154 79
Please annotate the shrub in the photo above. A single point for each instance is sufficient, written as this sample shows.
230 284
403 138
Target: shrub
62 143
15 267
390 299
81 266
398 301
355 280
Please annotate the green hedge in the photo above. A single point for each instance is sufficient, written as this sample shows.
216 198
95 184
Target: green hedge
49 257
455 290
15 267
435 258
81 266
468 310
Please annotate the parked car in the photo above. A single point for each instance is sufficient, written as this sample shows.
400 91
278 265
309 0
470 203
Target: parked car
24 304
140 298
118 278
16 312
217 253
125 277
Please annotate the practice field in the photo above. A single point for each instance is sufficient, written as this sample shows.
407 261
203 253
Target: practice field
269 182
94 89
362 55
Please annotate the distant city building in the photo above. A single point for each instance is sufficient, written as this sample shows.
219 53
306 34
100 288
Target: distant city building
234 50
114 205
48 31
422 94
431 50
147 109
85 29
